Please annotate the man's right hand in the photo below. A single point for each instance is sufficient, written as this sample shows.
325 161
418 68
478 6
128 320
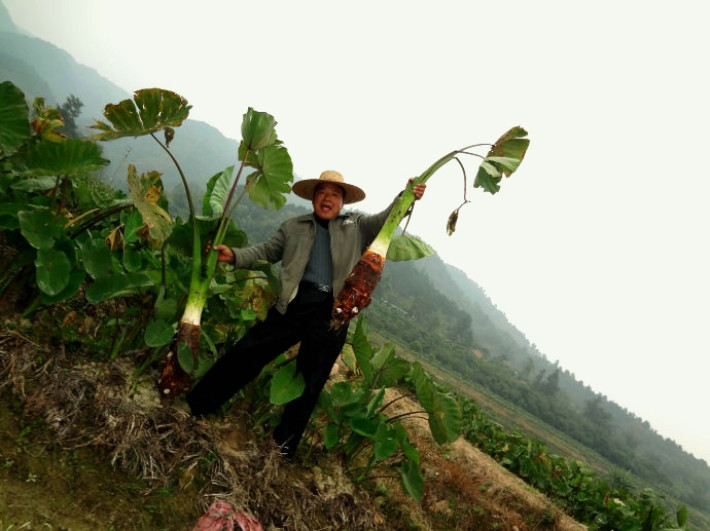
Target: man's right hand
225 254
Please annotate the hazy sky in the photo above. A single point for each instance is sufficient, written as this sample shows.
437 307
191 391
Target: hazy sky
596 249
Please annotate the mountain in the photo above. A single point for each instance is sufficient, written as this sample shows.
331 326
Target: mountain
41 69
429 307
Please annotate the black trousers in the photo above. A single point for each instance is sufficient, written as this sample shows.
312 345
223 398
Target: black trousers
307 320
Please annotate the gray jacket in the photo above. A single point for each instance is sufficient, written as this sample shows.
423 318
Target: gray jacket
350 235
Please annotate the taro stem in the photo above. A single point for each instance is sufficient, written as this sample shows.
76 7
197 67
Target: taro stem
361 282
502 159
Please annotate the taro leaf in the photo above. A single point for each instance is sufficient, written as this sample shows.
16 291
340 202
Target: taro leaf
40 227
9 215
159 333
363 350
258 129
53 269
132 258
407 247
342 394
445 418
393 371
274 170
444 411
375 402
132 221
215 197
150 111
166 309
287 384
47 121
146 192
33 185
503 159
96 256
410 451
14 124
364 426
382 356
389 368
116 285
385 442
348 357
70 157
412 479
423 386
186 357
326 404
331 436
74 282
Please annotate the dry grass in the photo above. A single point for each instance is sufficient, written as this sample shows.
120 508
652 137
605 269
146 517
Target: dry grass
102 409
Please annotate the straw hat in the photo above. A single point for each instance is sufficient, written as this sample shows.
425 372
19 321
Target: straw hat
307 187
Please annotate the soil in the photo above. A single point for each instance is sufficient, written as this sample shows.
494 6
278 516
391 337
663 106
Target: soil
87 445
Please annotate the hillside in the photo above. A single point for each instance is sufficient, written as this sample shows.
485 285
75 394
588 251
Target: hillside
86 422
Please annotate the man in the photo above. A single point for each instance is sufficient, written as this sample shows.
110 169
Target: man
317 251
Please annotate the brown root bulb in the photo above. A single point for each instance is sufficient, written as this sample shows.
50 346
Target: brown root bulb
357 291
174 380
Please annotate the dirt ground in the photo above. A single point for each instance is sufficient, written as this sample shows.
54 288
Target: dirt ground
86 446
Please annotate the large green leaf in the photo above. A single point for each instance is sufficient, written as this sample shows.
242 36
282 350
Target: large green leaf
375 402
74 282
96 257
287 384
14 124
116 285
412 479
34 184
363 350
180 239
269 184
364 426
445 418
342 394
149 111
381 356
258 129
215 197
502 160
40 227
444 411
393 371
159 333
385 441
389 369
407 247
410 451
331 436
423 386
146 191
9 215
69 157
53 268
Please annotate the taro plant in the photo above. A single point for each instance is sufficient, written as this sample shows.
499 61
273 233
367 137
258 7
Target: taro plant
503 158
152 111
67 229
359 422
44 178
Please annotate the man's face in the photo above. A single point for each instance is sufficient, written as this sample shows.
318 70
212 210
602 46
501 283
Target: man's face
327 201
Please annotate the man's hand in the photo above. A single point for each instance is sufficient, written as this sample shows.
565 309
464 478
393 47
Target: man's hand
225 254
418 189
